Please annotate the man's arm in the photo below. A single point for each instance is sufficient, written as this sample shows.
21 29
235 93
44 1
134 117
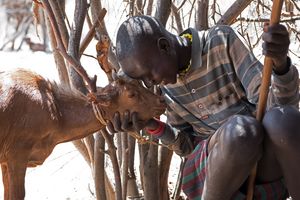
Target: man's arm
178 138
177 134
284 90
179 141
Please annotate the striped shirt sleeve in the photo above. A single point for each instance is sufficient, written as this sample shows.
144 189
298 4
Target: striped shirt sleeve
284 89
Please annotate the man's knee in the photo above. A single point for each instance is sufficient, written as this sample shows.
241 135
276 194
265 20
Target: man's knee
282 125
245 134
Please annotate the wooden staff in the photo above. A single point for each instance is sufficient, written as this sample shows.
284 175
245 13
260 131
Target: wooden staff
264 90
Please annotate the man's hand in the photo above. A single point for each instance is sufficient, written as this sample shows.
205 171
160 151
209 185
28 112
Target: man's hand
276 45
129 122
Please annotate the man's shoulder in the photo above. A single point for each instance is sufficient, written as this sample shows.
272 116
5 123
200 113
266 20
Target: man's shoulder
220 30
214 29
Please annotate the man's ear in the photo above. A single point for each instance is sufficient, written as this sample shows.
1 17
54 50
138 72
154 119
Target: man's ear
163 45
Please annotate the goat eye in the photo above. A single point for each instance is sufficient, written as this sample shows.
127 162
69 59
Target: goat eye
131 94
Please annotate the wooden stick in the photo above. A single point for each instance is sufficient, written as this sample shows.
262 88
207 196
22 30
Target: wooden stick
264 90
91 32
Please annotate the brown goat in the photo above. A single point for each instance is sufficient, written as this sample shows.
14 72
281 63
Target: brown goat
36 115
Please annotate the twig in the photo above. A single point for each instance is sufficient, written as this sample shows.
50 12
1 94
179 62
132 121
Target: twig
296 5
295 54
177 17
26 22
257 36
243 19
180 6
88 55
88 38
89 20
191 11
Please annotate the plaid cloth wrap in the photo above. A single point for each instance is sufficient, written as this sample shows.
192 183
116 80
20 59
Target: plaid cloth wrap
194 177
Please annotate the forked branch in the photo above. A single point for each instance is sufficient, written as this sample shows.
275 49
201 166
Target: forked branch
60 46
91 32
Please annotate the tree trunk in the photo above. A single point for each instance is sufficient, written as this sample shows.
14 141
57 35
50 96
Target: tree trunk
132 188
235 10
58 9
58 58
124 165
163 10
202 15
149 171
89 142
149 7
80 146
74 43
119 147
99 173
176 14
114 160
44 29
110 193
164 161
139 8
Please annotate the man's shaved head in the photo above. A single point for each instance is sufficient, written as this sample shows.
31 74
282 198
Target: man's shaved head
136 32
147 51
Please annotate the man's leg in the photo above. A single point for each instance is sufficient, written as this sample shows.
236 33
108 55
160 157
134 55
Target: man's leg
283 130
233 150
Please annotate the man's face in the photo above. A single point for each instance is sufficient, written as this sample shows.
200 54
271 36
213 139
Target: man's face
151 66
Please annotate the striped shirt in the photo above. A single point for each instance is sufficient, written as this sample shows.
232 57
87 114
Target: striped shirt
223 80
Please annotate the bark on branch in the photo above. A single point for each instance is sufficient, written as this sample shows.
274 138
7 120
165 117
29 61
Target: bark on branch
91 32
75 63
235 10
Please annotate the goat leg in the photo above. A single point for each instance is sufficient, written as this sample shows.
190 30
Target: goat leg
5 180
16 170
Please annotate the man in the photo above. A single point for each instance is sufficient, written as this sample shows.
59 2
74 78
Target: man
210 81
